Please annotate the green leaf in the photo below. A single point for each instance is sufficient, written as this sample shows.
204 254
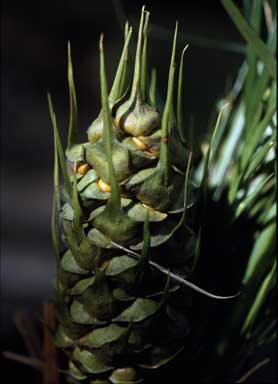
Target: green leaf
124 86
152 88
136 84
81 286
97 238
71 329
77 211
264 245
75 372
258 158
144 64
114 203
99 337
81 316
140 310
126 375
92 192
253 196
120 264
98 298
164 161
204 183
55 206
83 252
67 212
73 120
139 212
267 284
61 340
116 89
256 135
70 265
89 178
75 155
255 23
60 150
139 177
251 37
180 98
91 362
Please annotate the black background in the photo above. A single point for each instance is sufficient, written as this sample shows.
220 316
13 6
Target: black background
34 38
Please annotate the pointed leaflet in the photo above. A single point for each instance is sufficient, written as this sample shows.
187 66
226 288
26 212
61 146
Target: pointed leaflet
251 37
255 22
252 197
227 150
261 84
61 156
164 147
114 203
152 88
144 64
260 255
180 99
117 87
145 249
77 212
259 157
124 77
136 84
55 205
204 182
267 285
255 136
73 120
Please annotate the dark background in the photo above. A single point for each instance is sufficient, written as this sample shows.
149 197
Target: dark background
34 37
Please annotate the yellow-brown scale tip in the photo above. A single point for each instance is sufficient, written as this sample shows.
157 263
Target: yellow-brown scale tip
83 168
104 187
139 143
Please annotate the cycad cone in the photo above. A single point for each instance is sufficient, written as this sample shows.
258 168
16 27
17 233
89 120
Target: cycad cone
123 207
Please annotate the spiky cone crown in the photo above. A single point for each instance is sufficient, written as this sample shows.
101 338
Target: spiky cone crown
121 227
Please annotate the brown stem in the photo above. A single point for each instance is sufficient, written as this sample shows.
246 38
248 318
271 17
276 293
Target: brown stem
50 367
